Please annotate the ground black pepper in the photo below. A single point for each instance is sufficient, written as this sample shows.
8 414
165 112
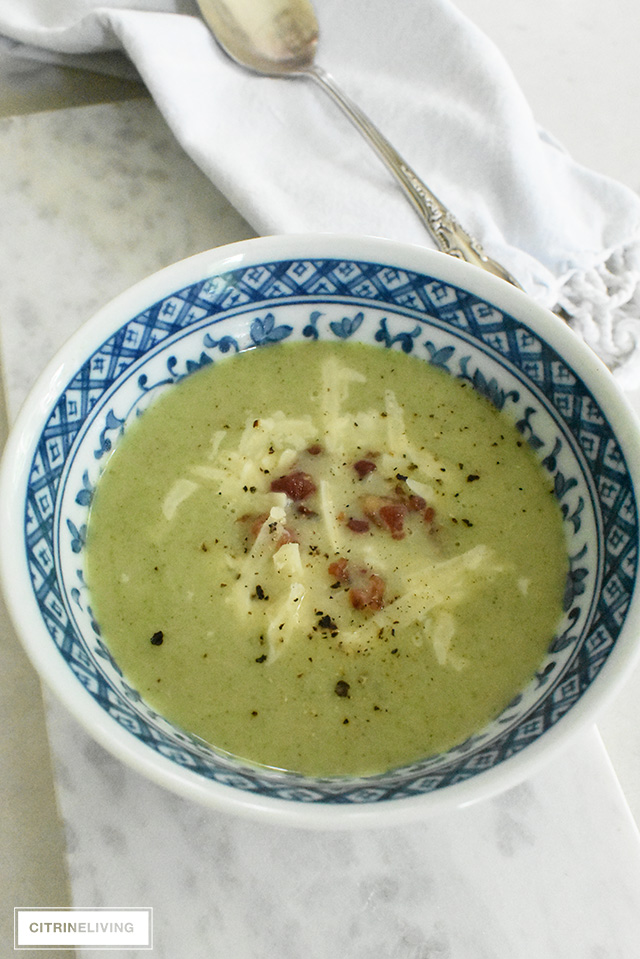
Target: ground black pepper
325 622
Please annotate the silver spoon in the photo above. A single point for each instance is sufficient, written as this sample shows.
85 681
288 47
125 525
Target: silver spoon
278 38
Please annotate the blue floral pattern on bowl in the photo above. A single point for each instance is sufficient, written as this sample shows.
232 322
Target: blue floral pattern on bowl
298 299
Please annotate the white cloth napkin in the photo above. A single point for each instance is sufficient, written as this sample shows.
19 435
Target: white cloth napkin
442 94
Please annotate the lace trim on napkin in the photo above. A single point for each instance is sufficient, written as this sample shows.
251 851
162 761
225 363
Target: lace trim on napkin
602 305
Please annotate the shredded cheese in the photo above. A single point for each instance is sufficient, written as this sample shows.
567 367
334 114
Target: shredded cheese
283 584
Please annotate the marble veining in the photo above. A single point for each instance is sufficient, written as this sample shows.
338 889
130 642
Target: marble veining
548 870
530 873
116 200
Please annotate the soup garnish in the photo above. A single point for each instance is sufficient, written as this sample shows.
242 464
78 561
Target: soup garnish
333 558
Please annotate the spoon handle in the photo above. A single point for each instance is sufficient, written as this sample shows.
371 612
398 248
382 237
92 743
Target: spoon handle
444 228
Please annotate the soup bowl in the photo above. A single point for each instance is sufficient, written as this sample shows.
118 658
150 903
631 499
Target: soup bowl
253 294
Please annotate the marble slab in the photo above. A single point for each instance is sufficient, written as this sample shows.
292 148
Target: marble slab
548 870
93 199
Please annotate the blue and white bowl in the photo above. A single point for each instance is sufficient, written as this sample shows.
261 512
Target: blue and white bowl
524 359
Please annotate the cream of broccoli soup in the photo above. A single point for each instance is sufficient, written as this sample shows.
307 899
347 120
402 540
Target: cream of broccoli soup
327 558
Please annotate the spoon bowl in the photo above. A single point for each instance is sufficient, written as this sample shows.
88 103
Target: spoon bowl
270 37
278 38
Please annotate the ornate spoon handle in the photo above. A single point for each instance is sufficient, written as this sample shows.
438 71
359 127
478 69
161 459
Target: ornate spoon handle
444 228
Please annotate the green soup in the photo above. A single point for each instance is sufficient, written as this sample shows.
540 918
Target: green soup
327 558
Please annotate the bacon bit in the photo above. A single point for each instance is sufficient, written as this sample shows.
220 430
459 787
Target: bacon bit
257 524
339 570
315 449
357 525
364 467
297 485
386 513
393 515
288 536
414 502
370 595
429 515
367 588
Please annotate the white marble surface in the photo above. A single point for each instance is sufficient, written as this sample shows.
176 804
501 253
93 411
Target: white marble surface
550 869
529 875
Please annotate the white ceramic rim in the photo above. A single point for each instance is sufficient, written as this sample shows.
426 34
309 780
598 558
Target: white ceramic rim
15 578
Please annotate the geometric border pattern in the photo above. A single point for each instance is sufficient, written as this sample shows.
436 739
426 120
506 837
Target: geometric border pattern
325 298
